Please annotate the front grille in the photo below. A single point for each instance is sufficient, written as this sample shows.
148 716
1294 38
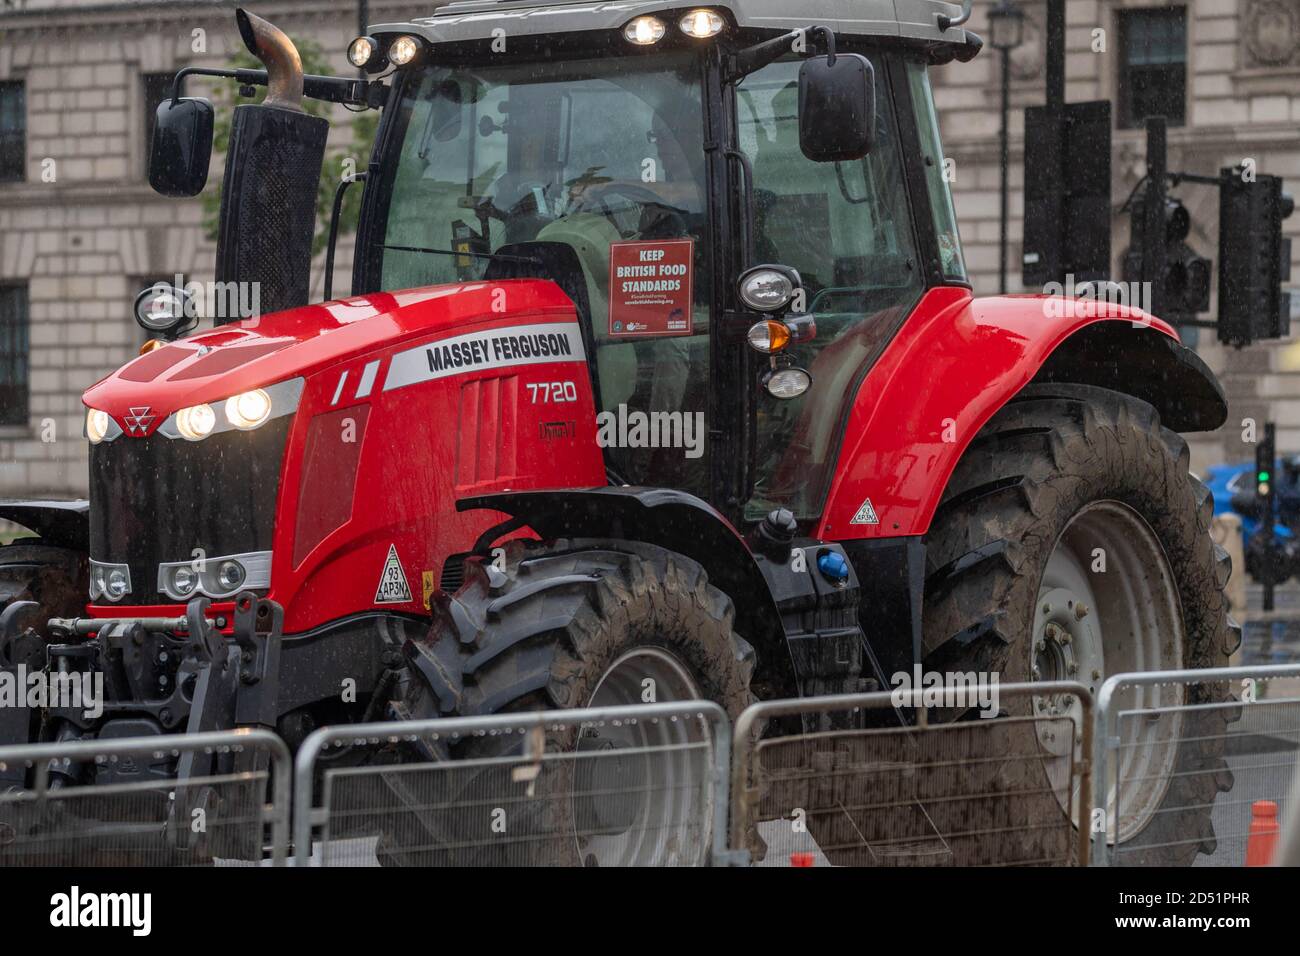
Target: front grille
156 500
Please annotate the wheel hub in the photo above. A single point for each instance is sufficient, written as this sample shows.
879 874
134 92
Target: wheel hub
1067 646
642 786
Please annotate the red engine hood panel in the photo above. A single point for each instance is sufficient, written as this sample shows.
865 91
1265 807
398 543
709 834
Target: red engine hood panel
221 362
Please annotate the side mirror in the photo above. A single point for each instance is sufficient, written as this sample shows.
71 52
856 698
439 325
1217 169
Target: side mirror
837 107
181 147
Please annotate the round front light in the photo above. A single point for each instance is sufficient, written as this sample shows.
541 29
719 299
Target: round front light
766 289
116 585
230 575
768 336
403 51
249 409
361 50
184 580
96 582
702 23
643 31
161 308
788 383
96 425
196 422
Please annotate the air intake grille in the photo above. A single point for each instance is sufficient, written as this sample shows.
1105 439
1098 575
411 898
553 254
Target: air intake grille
453 573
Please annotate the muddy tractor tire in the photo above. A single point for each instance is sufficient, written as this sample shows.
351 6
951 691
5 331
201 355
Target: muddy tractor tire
1072 544
55 578
575 624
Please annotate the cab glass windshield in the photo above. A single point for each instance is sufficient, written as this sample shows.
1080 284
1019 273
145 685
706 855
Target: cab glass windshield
589 153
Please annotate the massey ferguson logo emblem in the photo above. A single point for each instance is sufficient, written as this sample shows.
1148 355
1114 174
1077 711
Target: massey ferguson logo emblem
138 422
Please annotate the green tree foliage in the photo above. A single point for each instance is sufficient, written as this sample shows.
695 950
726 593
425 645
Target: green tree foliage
340 161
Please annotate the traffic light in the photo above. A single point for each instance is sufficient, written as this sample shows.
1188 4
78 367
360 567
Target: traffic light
1265 456
1183 287
1067 193
1254 258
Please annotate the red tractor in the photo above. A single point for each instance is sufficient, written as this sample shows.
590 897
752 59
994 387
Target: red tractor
662 378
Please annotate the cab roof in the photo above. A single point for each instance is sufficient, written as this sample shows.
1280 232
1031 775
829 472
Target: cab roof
465 20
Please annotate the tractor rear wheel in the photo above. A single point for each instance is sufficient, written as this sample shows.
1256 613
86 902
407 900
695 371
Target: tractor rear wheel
578 624
1072 544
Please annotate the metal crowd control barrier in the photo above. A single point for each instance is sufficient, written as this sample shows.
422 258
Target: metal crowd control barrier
600 786
982 791
200 799
1177 748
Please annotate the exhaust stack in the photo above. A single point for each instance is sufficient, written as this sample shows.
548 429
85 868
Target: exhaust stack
268 197
283 65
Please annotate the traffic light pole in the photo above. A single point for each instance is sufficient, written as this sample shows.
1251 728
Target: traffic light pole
1265 461
1153 213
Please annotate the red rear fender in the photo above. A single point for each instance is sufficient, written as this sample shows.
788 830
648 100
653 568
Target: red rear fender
957 360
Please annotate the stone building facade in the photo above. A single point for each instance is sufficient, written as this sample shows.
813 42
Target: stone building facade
81 231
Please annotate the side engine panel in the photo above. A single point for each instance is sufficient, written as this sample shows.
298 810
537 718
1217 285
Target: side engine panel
385 444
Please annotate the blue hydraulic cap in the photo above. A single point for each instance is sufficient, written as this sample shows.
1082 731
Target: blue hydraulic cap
833 567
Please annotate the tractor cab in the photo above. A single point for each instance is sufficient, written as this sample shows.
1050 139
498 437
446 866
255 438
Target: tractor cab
648 162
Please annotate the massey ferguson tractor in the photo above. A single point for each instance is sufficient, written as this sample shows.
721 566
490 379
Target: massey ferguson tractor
661 369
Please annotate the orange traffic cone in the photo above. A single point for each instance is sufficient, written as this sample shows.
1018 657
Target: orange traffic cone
1263 833
801 859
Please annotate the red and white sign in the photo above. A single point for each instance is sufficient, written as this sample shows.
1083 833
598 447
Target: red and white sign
650 287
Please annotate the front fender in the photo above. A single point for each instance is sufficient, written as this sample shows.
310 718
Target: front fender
62 523
957 360
665 517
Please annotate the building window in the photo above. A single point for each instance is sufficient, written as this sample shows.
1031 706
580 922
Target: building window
157 87
13 354
1153 70
13 132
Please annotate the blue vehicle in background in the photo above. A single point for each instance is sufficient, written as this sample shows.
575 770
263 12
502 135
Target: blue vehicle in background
1233 487
1227 482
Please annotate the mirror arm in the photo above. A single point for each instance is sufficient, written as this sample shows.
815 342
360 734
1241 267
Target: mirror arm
944 21
371 94
751 59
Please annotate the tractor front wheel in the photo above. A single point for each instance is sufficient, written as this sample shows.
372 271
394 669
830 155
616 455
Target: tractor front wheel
1073 544
580 624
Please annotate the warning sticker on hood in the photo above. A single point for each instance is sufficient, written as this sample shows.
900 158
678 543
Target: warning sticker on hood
393 588
650 287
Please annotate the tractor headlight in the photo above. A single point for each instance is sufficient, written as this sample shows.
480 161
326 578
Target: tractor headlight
230 575
645 31
768 288
196 422
218 578
787 383
361 51
245 411
702 23
404 50
184 580
165 310
110 581
118 584
97 423
248 409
